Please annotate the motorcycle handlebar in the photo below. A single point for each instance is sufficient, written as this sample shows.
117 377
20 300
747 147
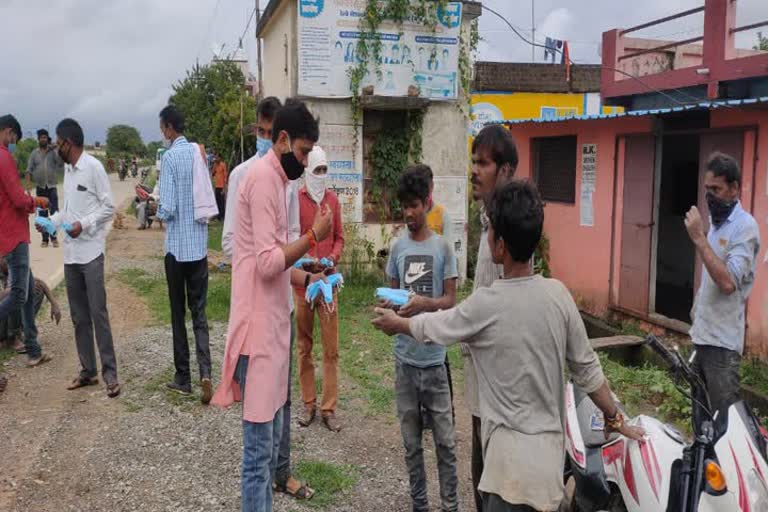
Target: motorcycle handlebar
661 350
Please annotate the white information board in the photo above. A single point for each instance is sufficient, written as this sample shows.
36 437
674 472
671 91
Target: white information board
411 54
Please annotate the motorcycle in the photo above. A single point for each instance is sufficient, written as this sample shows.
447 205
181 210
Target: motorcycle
724 468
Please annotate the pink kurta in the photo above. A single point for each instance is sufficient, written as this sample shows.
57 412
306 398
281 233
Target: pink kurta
260 317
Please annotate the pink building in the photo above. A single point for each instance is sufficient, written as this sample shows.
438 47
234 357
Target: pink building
617 186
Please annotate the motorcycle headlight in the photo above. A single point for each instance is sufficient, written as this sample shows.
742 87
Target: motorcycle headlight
758 494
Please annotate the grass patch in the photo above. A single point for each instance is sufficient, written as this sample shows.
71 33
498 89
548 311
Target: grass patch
754 374
365 354
215 230
6 354
156 386
648 390
331 481
154 290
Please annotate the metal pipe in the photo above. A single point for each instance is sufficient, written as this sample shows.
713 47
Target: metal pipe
662 47
663 20
750 27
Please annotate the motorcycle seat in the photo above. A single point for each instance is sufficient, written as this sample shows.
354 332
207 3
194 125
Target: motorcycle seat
591 423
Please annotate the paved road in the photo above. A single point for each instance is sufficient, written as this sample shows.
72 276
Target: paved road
48 264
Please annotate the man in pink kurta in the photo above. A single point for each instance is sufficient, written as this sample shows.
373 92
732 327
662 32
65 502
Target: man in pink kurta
257 355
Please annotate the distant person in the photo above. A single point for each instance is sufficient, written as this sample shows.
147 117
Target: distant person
146 204
729 256
314 196
88 210
186 255
44 169
423 263
219 174
15 208
256 364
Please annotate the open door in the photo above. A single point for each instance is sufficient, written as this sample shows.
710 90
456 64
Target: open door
637 223
730 143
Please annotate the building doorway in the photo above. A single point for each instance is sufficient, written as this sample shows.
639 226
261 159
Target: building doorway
675 254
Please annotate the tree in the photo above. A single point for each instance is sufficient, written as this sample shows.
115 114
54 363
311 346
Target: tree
152 148
24 148
124 140
210 98
762 42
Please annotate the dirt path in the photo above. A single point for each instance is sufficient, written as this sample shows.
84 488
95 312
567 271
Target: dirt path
152 450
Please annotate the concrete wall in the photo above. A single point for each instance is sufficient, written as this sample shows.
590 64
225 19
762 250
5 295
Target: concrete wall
279 76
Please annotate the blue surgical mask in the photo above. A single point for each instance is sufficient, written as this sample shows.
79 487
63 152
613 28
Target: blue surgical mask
12 148
262 146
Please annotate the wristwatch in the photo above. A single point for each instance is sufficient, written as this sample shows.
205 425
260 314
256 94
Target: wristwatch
615 422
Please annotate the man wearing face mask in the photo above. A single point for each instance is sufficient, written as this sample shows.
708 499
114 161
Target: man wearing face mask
265 116
43 169
186 255
15 208
256 360
313 197
85 215
729 253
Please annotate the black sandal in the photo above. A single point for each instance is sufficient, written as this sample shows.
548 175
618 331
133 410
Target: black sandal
305 492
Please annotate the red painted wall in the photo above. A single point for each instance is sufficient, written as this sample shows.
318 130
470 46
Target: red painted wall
580 256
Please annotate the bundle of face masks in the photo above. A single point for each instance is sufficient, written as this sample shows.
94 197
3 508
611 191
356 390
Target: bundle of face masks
311 261
324 288
397 297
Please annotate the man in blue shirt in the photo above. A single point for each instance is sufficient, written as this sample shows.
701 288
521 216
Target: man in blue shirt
729 254
186 254
423 263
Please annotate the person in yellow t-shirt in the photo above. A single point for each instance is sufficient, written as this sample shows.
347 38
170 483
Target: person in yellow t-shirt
438 219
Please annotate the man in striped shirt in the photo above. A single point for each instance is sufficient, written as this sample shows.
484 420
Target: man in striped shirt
186 255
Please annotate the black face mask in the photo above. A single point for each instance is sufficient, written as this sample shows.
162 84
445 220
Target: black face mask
719 209
291 165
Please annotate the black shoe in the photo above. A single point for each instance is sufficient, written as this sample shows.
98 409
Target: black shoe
179 388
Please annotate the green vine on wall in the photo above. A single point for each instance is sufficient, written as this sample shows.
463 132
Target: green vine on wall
392 152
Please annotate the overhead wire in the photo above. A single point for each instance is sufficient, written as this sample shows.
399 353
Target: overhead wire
693 99
208 30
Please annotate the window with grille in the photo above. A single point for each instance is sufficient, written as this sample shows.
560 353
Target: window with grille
555 168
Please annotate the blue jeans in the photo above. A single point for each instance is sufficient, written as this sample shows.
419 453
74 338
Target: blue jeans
22 297
283 472
261 442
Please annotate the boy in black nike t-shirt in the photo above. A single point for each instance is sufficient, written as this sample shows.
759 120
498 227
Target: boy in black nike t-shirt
424 263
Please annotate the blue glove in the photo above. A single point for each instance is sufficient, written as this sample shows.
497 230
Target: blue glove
336 280
303 261
398 297
46 224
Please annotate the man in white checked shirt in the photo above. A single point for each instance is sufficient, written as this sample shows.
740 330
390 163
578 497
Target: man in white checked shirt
186 255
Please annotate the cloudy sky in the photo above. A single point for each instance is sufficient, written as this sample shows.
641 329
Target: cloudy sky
107 62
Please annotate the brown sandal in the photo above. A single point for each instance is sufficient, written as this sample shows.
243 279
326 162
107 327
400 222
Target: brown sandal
81 382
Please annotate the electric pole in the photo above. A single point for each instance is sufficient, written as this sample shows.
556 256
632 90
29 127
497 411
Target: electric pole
258 49
533 30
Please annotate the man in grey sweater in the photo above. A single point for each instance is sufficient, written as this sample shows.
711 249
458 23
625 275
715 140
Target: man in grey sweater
523 332
494 161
